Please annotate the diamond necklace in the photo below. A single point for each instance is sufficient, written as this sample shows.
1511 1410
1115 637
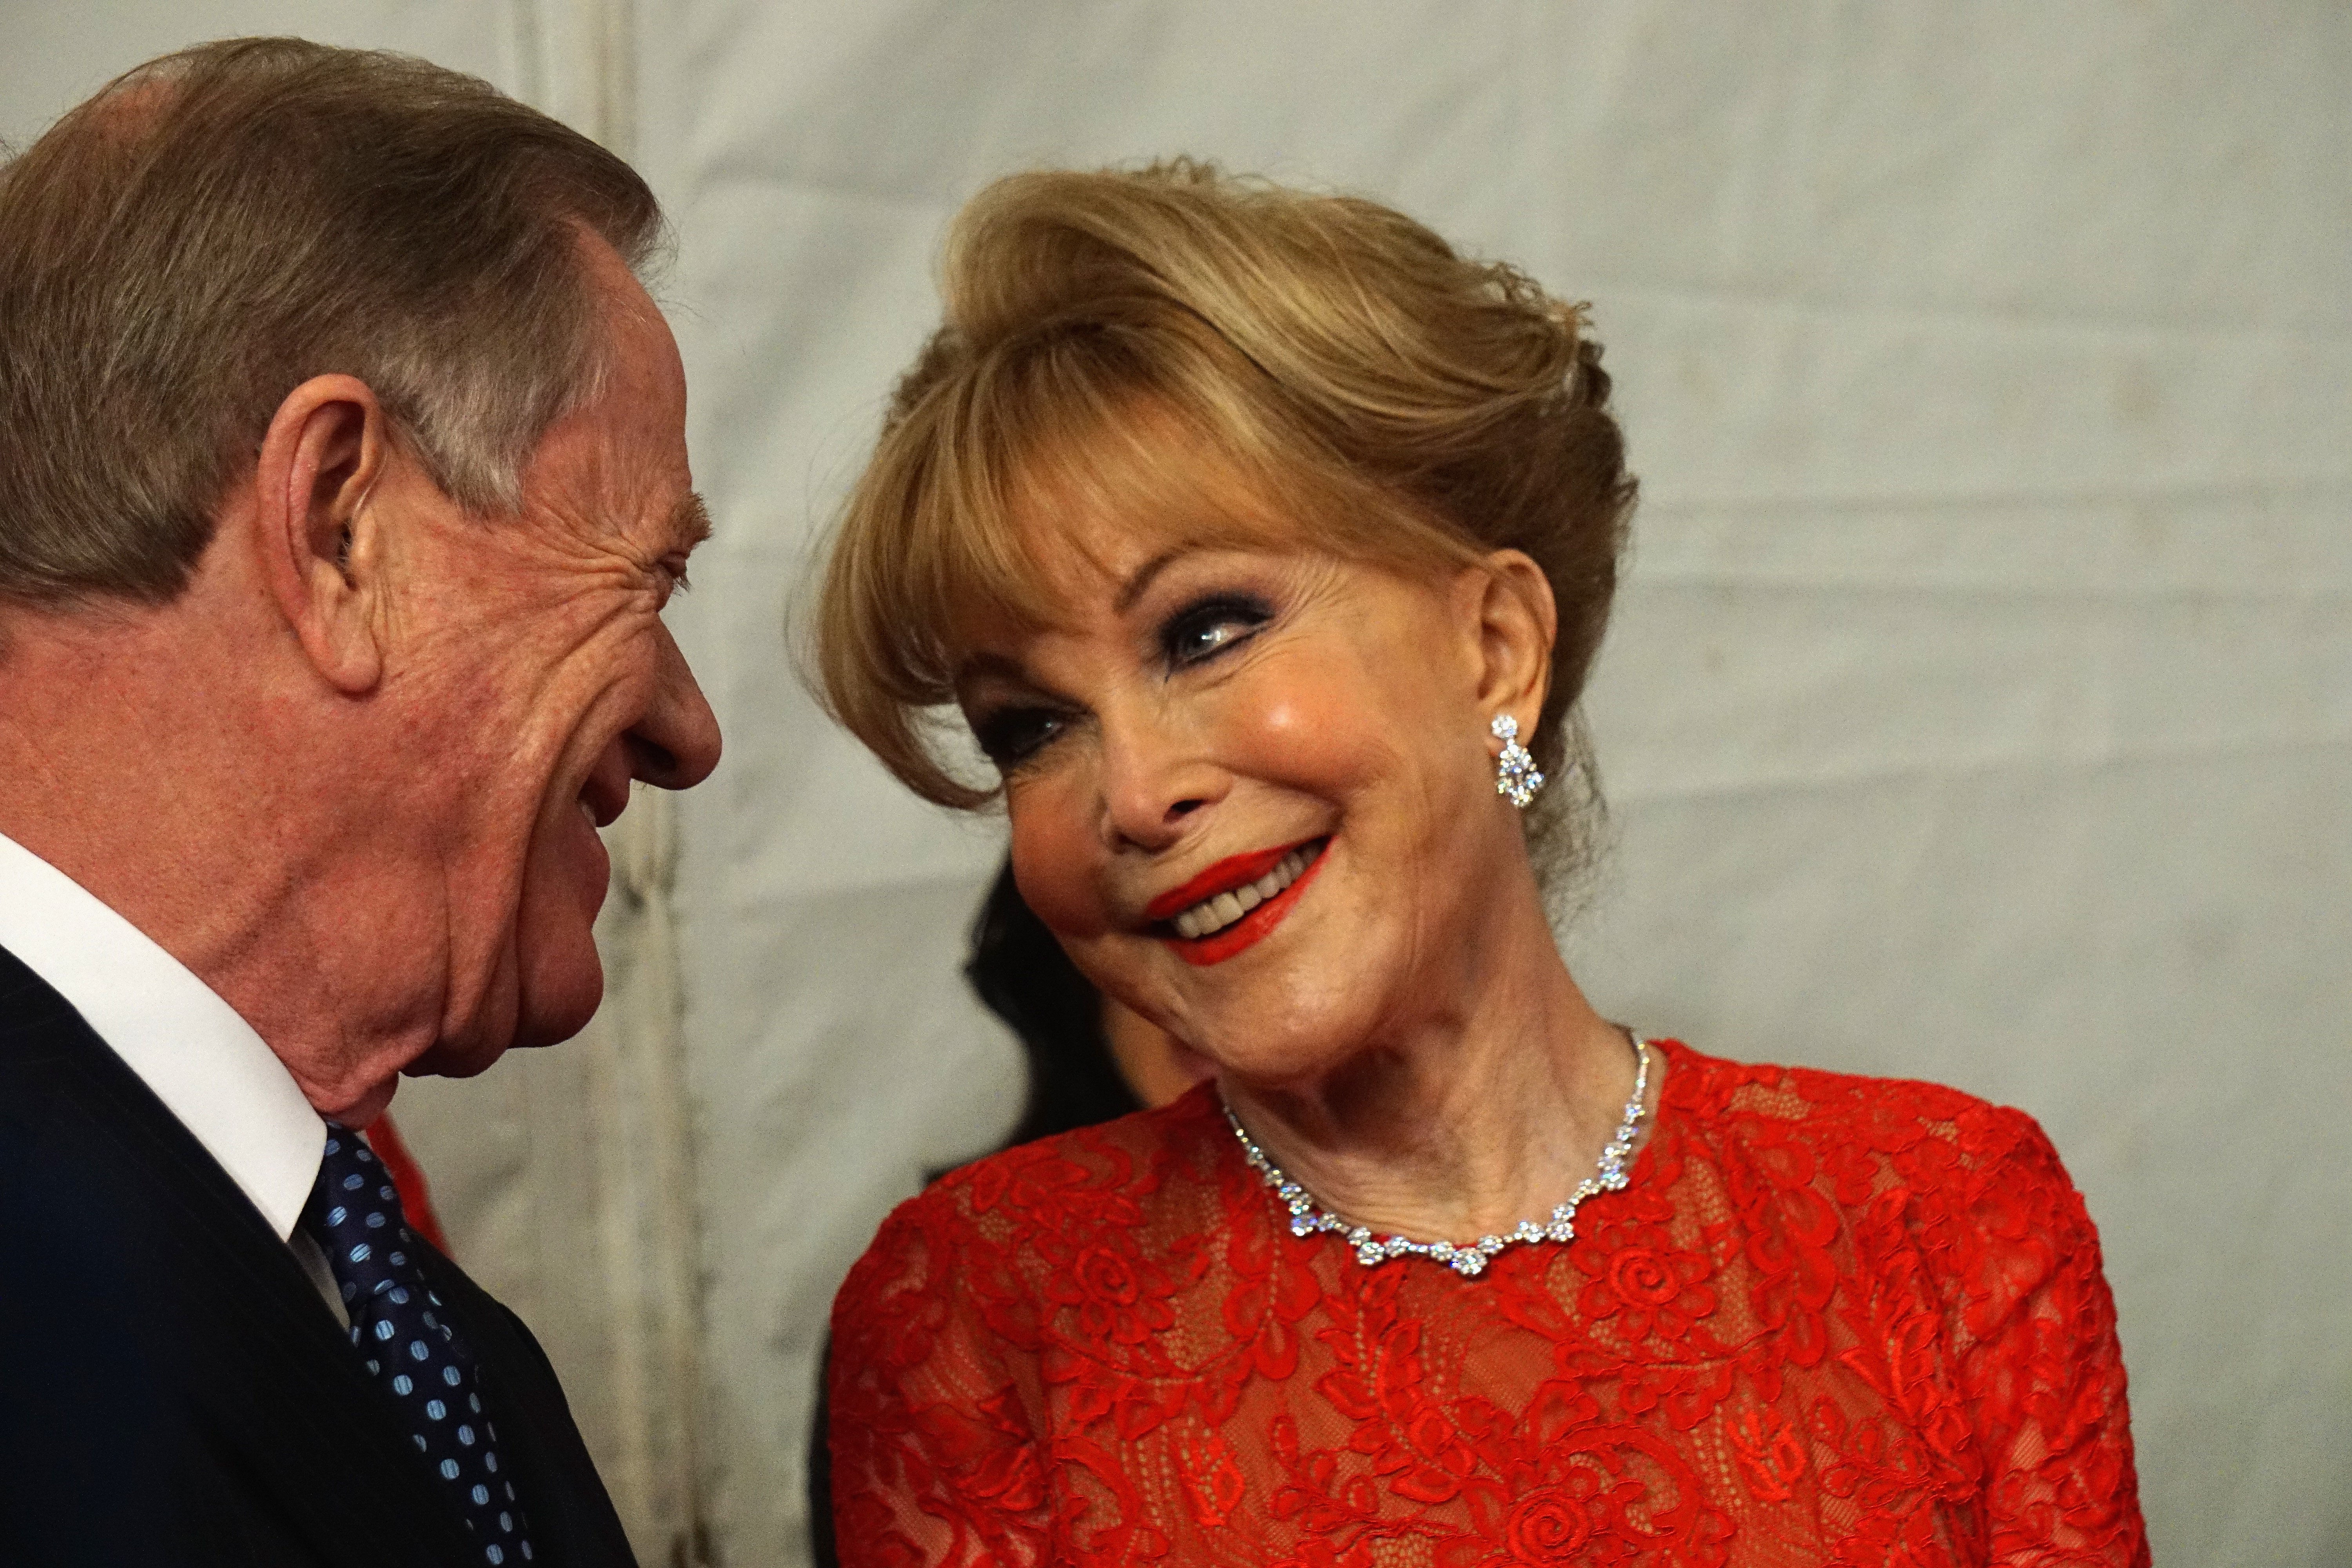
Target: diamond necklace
1307 1216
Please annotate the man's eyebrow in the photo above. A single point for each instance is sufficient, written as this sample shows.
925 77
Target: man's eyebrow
689 522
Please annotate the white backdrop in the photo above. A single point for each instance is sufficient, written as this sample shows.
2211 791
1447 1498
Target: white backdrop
1979 707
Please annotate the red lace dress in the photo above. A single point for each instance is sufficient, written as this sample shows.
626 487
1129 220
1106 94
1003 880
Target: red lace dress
1832 1320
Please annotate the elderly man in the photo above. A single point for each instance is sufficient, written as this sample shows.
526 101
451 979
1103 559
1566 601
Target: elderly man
342 482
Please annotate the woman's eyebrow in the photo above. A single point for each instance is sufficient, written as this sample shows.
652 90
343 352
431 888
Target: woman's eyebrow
994 664
1140 579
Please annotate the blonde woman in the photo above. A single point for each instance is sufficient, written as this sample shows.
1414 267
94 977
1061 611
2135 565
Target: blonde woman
1264 543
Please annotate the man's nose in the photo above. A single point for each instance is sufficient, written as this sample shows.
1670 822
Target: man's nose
676 744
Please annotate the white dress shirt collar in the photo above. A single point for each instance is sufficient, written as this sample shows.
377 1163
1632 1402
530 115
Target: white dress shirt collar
204 1061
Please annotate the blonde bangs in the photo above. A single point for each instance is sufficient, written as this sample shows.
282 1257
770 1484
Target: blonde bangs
1043 445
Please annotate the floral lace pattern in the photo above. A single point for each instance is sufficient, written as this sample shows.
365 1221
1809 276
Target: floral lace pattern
1833 1320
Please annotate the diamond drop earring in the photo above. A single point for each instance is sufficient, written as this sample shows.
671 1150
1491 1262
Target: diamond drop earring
1516 774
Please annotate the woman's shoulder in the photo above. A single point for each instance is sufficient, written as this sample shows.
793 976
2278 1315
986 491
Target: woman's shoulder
1130 1156
1123 1174
1847 1120
1970 1191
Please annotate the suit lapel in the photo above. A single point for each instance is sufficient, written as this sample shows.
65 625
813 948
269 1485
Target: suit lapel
572 1517
254 1357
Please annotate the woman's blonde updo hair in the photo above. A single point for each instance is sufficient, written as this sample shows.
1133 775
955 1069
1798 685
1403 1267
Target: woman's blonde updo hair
1225 361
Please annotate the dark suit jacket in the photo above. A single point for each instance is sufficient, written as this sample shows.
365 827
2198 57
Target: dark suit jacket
171 1388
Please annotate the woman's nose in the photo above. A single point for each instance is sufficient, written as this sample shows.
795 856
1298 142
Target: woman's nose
1152 784
676 744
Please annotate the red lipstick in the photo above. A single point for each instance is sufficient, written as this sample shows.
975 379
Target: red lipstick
1227 875
1234 872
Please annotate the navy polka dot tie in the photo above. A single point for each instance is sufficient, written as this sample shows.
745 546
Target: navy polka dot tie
411 1347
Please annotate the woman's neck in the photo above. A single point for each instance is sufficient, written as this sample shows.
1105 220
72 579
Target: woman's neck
1471 1116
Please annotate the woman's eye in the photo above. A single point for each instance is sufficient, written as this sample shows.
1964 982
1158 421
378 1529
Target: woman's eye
1204 630
1010 736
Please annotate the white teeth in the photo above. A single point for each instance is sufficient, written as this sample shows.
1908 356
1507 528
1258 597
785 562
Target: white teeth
1214 914
589 812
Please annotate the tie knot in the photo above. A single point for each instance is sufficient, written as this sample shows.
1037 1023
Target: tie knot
355 1214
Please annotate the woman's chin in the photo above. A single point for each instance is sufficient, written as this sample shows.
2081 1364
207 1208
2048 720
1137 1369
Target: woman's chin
1307 1046
1297 1007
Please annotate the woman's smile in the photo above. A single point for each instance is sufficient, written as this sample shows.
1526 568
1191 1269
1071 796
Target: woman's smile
1235 903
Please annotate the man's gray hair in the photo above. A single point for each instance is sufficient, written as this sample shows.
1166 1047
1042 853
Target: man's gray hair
220 225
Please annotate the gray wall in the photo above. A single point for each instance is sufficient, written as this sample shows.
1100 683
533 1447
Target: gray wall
1979 708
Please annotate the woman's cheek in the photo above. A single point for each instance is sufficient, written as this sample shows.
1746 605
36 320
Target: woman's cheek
1331 744
1299 726
1054 851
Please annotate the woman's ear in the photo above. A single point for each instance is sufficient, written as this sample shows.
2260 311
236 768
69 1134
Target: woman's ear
1516 620
326 448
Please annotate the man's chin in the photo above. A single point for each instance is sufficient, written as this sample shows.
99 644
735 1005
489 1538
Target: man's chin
547 1012
448 1058
559 995
554 1027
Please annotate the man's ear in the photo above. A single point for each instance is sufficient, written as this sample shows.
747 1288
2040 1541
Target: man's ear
326 446
1515 621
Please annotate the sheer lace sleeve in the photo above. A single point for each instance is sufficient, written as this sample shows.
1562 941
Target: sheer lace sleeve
934 1458
2039 1365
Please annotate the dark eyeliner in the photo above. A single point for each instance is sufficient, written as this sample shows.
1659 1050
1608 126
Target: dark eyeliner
1183 635
1009 736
